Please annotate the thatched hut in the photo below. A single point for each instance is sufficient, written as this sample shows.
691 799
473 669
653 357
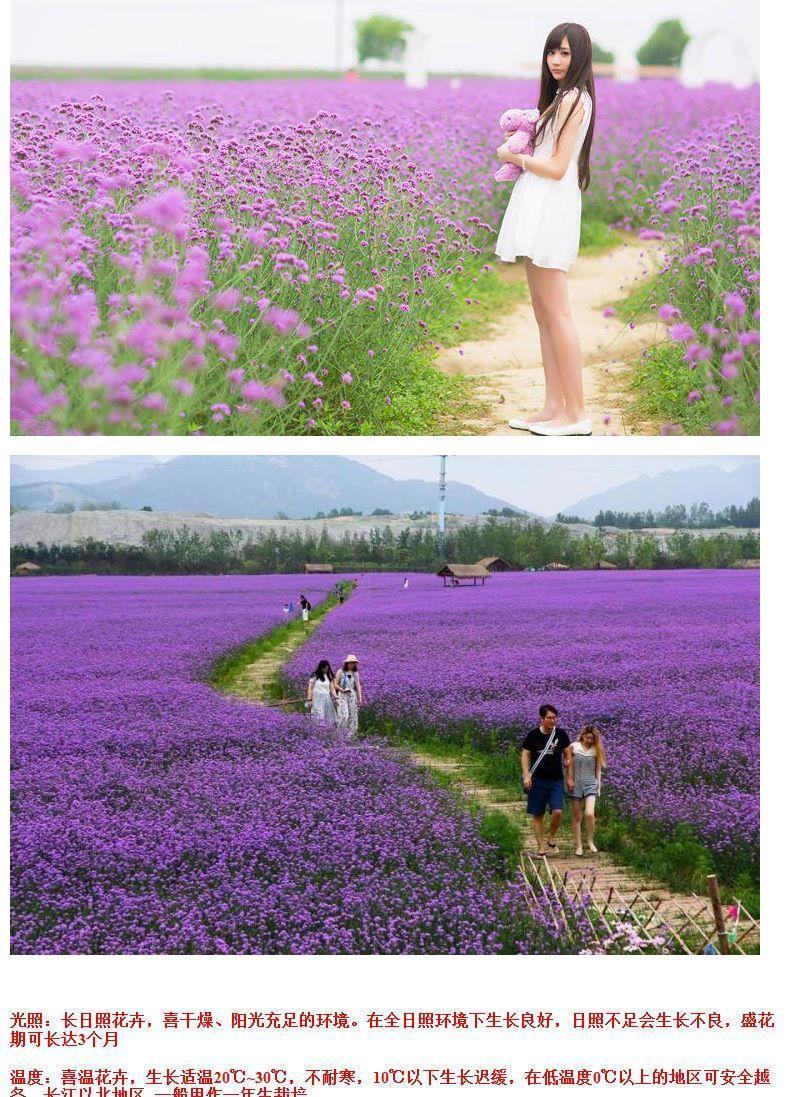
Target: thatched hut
496 563
556 566
28 568
456 575
318 569
606 565
747 564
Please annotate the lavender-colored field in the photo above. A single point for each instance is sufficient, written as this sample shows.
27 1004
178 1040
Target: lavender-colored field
666 662
265 257
152 814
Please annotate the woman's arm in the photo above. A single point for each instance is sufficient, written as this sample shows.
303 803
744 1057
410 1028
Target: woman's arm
570 771
555 166
359 694
310 690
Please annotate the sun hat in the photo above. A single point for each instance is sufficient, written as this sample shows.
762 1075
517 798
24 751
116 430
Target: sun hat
350 659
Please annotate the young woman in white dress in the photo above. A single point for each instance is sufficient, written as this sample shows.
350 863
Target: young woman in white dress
321 695
542 221
349 696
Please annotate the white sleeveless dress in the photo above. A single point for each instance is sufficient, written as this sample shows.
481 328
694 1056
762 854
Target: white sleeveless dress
322 706
543 216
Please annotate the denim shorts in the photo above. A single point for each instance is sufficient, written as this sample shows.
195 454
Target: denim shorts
545 793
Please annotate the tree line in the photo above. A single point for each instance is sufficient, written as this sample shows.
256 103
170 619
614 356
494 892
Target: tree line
521 541
697 516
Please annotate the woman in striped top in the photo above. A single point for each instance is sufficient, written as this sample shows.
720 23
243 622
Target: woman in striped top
588 761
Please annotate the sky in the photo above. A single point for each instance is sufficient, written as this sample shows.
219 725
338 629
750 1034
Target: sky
504 36
542 485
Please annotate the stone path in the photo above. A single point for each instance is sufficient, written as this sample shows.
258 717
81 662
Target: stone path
507 366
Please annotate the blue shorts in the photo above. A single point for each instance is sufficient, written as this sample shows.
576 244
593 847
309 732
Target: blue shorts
544 793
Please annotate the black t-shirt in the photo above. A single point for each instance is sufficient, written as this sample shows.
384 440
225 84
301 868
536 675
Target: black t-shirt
550 766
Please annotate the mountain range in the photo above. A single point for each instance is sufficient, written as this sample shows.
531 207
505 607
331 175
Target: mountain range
240 487
707 484
301 487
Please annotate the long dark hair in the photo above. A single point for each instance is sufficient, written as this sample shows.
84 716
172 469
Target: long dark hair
580 76
324 670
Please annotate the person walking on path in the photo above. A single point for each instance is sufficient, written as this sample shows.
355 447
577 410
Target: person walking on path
543 775
542 221
321 695
348 688
588 761
305 609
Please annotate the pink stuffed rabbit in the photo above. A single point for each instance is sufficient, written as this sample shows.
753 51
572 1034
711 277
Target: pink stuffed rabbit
523 125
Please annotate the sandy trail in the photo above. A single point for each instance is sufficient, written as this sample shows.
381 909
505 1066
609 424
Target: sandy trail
507 361
604 872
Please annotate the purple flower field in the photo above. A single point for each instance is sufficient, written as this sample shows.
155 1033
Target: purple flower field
152 814
270 257
666 662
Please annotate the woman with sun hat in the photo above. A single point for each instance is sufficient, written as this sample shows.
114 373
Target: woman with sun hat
348 689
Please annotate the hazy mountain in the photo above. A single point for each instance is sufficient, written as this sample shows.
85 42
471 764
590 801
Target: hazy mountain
254 487
93 472
707 484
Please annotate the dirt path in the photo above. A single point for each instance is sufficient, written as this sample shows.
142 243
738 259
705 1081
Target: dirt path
598 870
507 361
256 680
254 684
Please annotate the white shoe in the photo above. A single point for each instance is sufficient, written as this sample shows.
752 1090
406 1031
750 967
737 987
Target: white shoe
521 424
584 427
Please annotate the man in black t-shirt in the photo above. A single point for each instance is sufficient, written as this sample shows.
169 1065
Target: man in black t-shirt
542 749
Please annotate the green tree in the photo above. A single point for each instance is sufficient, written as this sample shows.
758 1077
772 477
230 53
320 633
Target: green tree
665 45
381 37
622 550
602 56
646 552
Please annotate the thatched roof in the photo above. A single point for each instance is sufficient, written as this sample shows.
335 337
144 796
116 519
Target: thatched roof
28 568
494 561
555 566
318 569
747 564
464 571
606 565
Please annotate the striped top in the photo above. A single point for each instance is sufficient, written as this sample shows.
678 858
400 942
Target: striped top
583 772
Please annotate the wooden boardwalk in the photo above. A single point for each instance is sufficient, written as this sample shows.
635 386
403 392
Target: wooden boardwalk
614 890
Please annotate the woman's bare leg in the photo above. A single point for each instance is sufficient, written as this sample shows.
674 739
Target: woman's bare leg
576 825
553 393
550 290
590 823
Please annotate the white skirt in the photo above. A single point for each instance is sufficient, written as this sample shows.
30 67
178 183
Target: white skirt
322 706
542 221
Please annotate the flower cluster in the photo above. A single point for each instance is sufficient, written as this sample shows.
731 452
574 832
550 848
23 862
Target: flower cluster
209 260
151 814
665 662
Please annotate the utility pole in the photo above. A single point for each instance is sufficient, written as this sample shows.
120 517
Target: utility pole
339 34
442 499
